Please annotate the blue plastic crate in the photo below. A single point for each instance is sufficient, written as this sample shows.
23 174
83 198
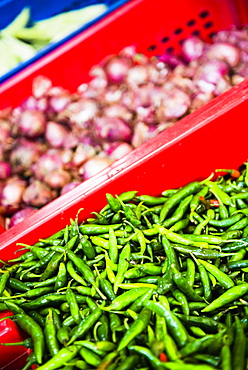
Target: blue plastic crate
41 9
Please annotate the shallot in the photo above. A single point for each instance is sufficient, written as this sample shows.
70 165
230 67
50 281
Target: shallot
57 139
21 215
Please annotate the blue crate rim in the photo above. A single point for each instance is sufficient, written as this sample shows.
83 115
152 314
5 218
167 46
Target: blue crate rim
49 48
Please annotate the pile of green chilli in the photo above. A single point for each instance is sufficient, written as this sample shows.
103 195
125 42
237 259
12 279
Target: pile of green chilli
147 283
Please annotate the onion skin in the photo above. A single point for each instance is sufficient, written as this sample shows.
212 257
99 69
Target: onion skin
24 153
69 186
82 154
5 132
175 104
117 68
5 170
47 163
12 191
37 194
57 178
192 48
112 129
41 86
60 102
212 71
224 51
94 166
21 215
32 123
55 134
82 111
117 150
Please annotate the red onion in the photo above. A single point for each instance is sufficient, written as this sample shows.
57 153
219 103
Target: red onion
222 86
24 154
30 103
146 114
87 91
175 104
137 75
69 186
212 71
47 163
242 71
2 153
129 51
171 60
121 150
117 69
182 82
93 166
143 96
5 170
236 79
140 134
21 215
32 123
5 131
70 141
200 99
192 48
117 150
60 102
37 194
224 51
88 137
56 134
112 95
98 83
82 154
12 191
41 86
64 154
117 110
112 129
42 105
58 91
154 75
57 178
82 111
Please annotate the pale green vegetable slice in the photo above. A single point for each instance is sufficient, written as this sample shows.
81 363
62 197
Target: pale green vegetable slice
19 22
22 49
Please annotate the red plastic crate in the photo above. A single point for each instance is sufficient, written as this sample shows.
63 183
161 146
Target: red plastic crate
214 136
154 26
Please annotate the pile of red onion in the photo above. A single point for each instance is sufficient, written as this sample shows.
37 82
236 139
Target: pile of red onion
56 139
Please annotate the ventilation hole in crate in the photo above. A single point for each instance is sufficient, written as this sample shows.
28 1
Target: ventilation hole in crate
212 34
181 41
152 47
208 25
196 33
165 39
170 49
178 31
204 14
191 23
